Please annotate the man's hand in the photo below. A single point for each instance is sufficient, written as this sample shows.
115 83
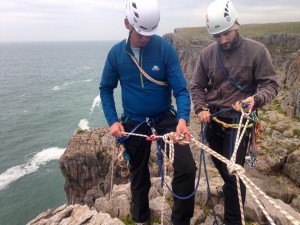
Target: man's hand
182 129
204 116
116 129
248 101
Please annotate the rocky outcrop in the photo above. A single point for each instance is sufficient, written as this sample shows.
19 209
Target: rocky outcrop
87 166
117 204
283 48
291 167
90 159
290 102
75 215
93 150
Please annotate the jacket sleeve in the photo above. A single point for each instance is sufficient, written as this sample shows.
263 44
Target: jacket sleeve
177 83
266 78
108 83
198 85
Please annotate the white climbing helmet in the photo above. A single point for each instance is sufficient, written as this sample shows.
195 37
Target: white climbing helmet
143 15
220 16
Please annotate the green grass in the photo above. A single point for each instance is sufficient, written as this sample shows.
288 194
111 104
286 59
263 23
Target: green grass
246 29
127 220
296 132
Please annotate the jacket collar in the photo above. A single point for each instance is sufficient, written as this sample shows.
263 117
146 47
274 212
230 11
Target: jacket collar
127 46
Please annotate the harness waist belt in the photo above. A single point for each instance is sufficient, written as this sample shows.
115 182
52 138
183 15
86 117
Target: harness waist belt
141 118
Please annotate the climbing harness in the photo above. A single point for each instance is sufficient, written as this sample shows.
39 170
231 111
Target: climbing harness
123 157
233 168
255 131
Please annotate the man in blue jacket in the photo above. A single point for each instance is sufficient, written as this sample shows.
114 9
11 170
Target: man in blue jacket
149 72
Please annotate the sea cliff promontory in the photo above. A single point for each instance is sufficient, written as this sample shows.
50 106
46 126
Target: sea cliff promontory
98 190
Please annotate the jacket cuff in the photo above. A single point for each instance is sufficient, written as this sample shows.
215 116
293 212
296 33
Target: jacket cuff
187 119
257 101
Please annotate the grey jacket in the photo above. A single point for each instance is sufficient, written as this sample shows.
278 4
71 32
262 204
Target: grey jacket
249 69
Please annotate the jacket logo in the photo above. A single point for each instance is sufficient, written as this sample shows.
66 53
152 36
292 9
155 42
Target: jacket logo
155 68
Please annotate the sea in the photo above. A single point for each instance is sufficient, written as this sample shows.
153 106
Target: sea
48 90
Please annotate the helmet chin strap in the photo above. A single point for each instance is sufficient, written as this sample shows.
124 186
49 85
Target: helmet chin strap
131 31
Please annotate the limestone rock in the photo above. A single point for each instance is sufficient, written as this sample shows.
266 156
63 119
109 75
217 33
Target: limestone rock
291 168
87 166
74 215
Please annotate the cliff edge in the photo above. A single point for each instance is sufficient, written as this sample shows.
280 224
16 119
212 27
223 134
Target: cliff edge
98 190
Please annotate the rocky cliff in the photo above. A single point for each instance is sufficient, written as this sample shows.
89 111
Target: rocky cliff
90 159
283 48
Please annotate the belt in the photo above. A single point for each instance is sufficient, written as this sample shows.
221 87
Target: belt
141 118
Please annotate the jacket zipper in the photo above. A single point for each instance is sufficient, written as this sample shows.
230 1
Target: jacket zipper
140 62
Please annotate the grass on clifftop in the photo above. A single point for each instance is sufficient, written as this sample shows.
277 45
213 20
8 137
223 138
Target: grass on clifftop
246 29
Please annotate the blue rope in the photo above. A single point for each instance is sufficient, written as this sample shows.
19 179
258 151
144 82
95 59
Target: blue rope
203 140
239 87
244 105
161 169
121 140
220 112
168 187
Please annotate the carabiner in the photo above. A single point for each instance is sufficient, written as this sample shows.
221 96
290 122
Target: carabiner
151 138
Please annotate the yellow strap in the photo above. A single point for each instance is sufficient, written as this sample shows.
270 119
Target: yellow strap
226 125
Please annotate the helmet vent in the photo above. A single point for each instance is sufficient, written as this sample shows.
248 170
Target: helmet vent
143 15
226 12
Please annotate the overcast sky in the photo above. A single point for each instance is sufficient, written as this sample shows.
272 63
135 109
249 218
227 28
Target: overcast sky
56 20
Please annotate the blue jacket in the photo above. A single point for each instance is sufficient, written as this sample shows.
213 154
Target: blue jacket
142 98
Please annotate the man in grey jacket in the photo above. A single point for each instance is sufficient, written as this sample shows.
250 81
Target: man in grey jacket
230 73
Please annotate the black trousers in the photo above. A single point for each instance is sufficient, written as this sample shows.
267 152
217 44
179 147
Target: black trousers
220 139
183 182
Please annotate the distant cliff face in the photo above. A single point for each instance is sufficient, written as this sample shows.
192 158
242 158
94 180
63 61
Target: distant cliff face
283 48
291 100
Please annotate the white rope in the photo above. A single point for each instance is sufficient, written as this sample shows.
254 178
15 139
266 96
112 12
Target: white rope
234 169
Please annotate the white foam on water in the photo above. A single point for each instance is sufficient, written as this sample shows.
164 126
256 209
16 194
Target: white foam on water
84 124
41 158
56 88
64 85
96 103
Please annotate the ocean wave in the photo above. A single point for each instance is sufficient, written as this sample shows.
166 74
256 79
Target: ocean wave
41 158
96 103
57 88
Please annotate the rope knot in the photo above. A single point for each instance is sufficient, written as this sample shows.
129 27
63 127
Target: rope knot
235 168
168 138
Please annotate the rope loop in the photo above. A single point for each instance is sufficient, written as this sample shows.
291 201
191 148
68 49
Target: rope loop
235 168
